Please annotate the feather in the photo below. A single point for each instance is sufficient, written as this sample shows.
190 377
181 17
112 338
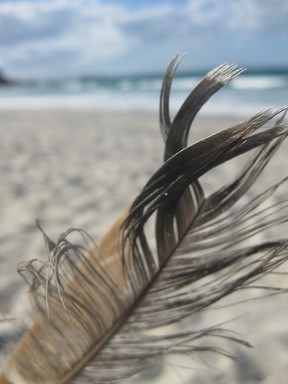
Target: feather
97 309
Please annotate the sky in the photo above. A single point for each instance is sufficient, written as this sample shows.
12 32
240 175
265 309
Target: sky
56 38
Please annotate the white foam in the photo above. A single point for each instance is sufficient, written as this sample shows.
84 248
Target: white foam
258 82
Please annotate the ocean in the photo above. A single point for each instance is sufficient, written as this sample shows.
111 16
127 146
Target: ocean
251 91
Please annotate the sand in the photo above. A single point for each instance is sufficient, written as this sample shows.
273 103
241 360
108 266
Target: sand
79 168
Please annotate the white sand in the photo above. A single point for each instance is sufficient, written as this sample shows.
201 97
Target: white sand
80 168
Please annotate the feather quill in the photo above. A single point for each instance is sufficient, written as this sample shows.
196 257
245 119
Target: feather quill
96 305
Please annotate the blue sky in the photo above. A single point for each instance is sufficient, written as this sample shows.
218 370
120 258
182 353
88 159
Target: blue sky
53 38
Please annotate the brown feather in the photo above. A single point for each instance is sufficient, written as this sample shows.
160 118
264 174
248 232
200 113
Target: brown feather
94 305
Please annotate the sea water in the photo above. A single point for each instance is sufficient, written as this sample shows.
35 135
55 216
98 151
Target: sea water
246 94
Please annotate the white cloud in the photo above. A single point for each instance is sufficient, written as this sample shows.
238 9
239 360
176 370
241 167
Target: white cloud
34 34
68 36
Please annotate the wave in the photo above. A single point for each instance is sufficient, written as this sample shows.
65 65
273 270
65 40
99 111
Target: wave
259 82
243 96
248 82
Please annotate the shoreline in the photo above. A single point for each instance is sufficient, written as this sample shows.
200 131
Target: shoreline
218 106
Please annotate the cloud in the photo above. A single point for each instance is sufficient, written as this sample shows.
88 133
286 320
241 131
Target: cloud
56 37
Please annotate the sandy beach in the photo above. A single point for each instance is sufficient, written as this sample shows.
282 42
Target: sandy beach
79 168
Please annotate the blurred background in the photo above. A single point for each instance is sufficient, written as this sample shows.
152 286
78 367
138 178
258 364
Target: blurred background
79 138
111 54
